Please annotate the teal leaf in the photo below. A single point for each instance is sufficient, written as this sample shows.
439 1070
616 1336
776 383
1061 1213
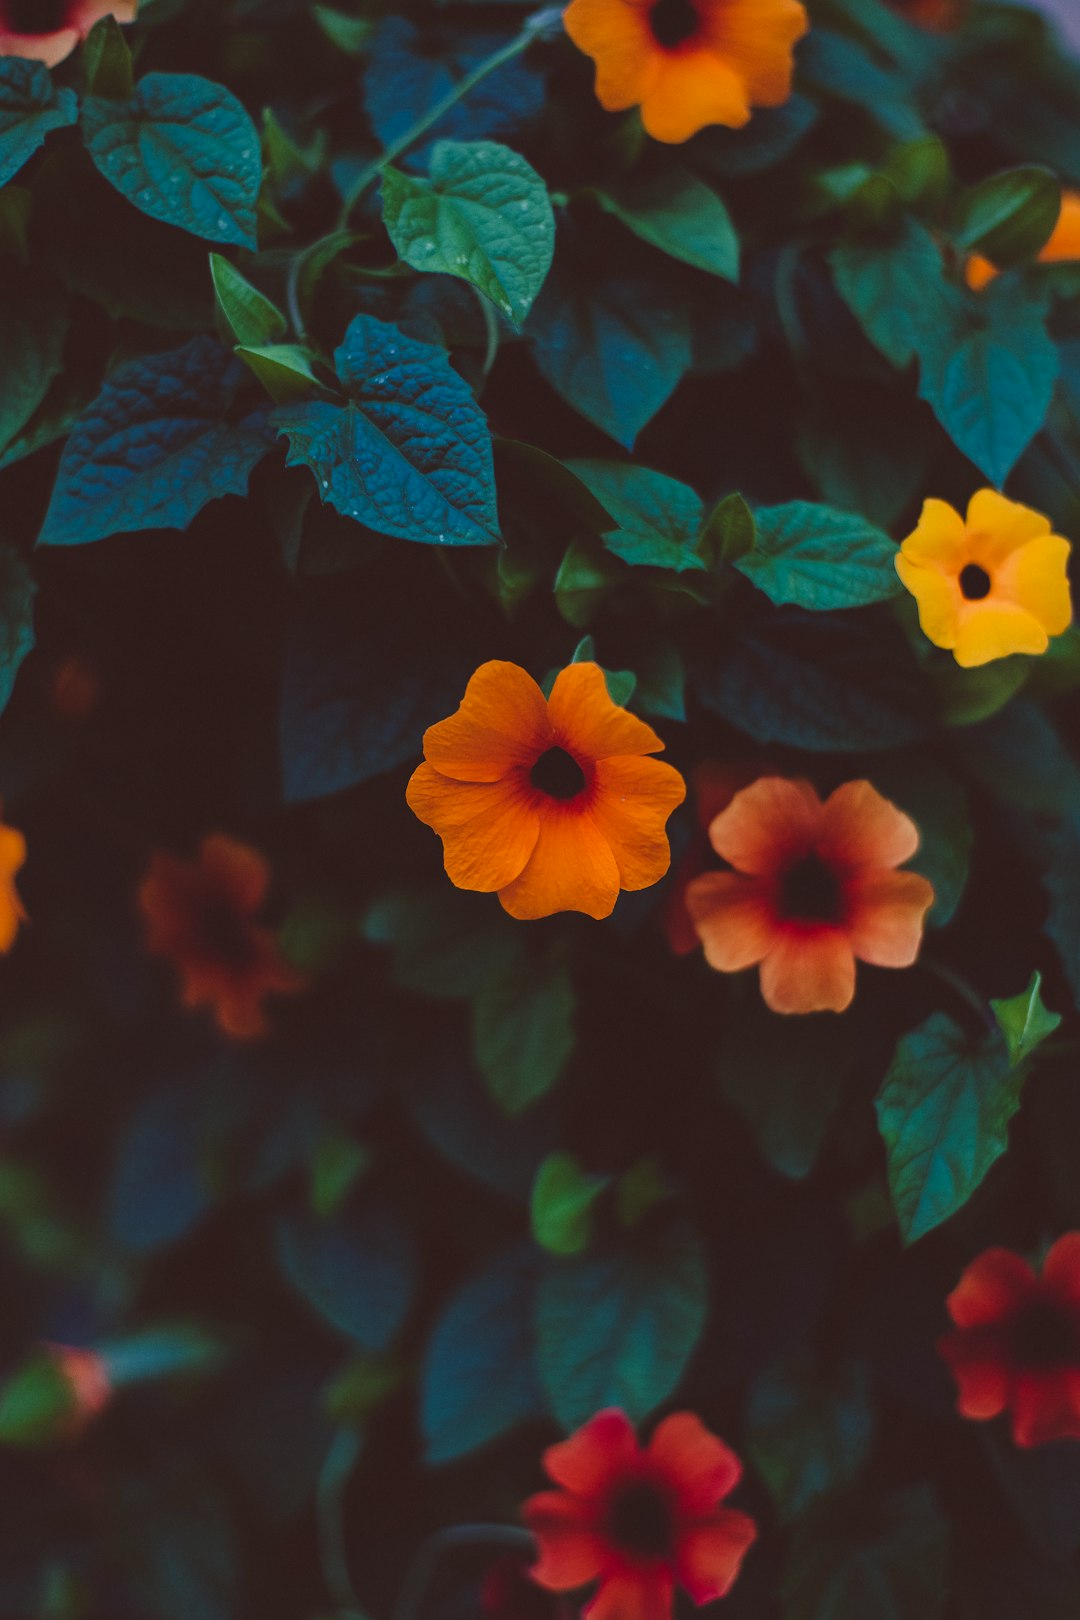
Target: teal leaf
30 106
248 315
356 1272
890 1563
618 1328
156 445
184 151
896 289
410 455
17 591
483 215
33 327
160 1190
819 558
658 519
523 1030
943 1111
938 806
1024 1021
808 1437
683 217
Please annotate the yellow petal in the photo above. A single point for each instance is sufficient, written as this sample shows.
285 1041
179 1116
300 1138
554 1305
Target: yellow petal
989 630
939 539
997 526
1036 579
938 598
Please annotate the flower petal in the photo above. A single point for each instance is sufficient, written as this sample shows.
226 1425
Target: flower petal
632 1595
571 868
632 799
710 1555
989 631
699 1466
1046 1406
861 829
599 1449
939 539
937 597
757 39
809 972
236 871
502 722
765 823
995 1286
691 90
51 48
618 38
733 918
588 724
488 829
1036 578
1061 1270
569 1551
996 527
88 12
982 1378
1064 242
888 912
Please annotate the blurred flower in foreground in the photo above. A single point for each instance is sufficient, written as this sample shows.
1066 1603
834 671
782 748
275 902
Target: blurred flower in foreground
12 857
1062 245
689 63
53 1396
200 914
552 803
815 886
49 30
714 786
989 586
1016 1347
639 1520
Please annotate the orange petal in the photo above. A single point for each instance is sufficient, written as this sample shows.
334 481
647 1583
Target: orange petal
860 830
502 722
939 540
570 1553
982 1382
618 38
12 913
693 89
1046 1407
236 870
570 869
647 1595
757 38
995 1285
733 918
488 829
89 12
1064 243
600 1448
700 1467
588 724
765 823
805 973
710 1556
888 911
633 798
1061 1269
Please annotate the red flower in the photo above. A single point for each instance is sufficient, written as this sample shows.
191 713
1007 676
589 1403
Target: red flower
639 1520
49 30
89 1387
200 914
1017 1342
714 786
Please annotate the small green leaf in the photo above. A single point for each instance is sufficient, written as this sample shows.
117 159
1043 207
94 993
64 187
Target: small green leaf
107 61
943 1110
248 315
1024 1021
523 1030
585 578
36 1403
285 370
30 106
683 217
446 943
819 558
484 215
337 1163
350 34
1008 217
561 1204
730 532
658 519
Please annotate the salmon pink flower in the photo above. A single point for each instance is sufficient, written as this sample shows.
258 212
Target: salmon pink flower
639 1521
552 803
815 886
49 30
1062 247
990 585
689 63
200 914
714 786
1016 1347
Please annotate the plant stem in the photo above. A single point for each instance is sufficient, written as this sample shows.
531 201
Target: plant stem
414 1588
960 986
340 1461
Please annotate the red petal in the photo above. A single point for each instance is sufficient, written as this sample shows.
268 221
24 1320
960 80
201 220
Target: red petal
710 1555
982 1379
633 1597
570 1554
1046 1406
1061 1270
993 1288
600 1448
700 1468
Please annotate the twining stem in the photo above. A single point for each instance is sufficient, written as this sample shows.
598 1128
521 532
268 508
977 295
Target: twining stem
960 986
415 1586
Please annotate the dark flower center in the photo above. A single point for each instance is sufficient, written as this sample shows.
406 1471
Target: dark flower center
1045 1337
809 890
640 1520
557 774
974 582
36 16
224 934
673 22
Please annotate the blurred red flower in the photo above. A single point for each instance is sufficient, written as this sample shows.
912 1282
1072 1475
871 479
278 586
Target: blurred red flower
49 30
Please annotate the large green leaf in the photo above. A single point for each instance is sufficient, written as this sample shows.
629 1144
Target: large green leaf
523 1029
896 289
30 106
483 215
659 519
889 1562
944 1110
819 558
683 217
1009 216
183 150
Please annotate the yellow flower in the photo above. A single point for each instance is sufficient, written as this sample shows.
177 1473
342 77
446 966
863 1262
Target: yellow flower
989 586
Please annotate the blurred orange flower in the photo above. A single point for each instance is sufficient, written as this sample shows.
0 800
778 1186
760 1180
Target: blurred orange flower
1062 246
49 30
552 803
714 786
12 857
87 1378
689 63
200 914
815 886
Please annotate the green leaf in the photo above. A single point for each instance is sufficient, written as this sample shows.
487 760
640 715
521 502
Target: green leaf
337 1163
968 696
896 289
183 150
483 215
888 1562
17 590
446 943
617 1328
561 1204
357 1273
938 806
943 1110
107 61
284 369
1008 217
683 217
162 1352
1024 1021
30 106
658 519
730 532
523 1030
156 445
584 579
350 34
410 456
33 328
1062 883
808 1438
248 315
36 1403
821 559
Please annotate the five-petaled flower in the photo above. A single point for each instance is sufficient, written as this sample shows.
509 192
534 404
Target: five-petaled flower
552 803
200 914
815 886
689 63
49 30
639 1520
1016 1345
993 584
1062 246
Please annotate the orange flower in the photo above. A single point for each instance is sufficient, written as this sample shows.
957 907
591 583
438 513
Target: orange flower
815 886
549 802
1062 246
87 1378
12 857
49 30
689 63
715 785
200 915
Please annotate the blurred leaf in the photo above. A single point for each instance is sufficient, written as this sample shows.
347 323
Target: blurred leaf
809 1438
889 1562
1008 217
1062 883
785 1077
160 1189
30 107
17 592
730 532
939 808
561 1206
163 1352
1024 1021
678 214
358 1272
523 1031
33 330
36 1403
446 943
895 287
